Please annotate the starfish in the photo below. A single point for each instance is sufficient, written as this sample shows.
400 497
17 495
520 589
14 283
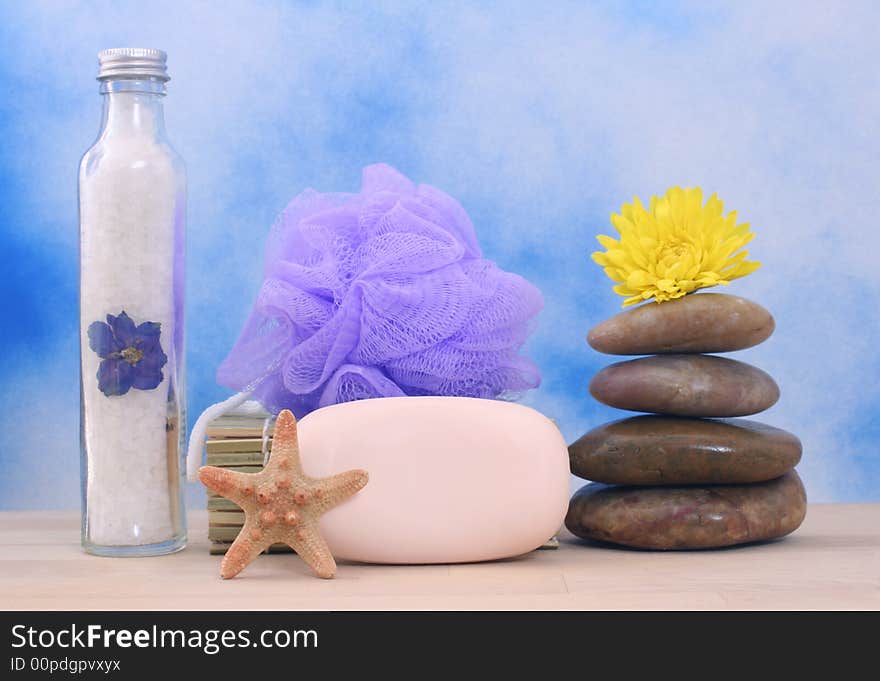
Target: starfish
281 503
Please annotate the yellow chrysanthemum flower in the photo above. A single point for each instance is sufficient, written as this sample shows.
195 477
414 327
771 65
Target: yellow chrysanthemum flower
678 246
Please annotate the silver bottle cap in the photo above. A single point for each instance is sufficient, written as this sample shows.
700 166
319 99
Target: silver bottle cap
132 62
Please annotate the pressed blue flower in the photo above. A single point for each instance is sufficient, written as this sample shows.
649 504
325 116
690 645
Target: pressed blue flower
131 356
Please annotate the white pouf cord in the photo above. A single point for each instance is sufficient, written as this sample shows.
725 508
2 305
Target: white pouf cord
238 403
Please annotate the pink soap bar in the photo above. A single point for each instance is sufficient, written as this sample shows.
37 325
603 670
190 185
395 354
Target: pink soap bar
452 479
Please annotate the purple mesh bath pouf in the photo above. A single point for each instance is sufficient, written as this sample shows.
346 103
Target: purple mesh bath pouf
378 294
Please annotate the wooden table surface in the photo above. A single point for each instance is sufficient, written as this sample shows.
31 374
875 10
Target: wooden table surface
831 562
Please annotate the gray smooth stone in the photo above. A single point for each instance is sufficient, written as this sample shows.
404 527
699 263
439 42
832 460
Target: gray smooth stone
670 450
688 517
698 322
685 385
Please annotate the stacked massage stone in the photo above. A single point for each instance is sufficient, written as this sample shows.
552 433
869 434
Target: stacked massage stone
688 475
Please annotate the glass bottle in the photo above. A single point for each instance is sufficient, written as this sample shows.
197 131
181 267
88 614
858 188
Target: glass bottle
132 205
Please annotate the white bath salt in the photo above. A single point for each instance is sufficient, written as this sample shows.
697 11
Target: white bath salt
131 211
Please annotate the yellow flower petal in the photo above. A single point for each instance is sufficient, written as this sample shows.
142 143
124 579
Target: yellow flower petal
607 241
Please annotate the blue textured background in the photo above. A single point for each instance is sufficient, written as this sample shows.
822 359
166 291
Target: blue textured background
541 120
